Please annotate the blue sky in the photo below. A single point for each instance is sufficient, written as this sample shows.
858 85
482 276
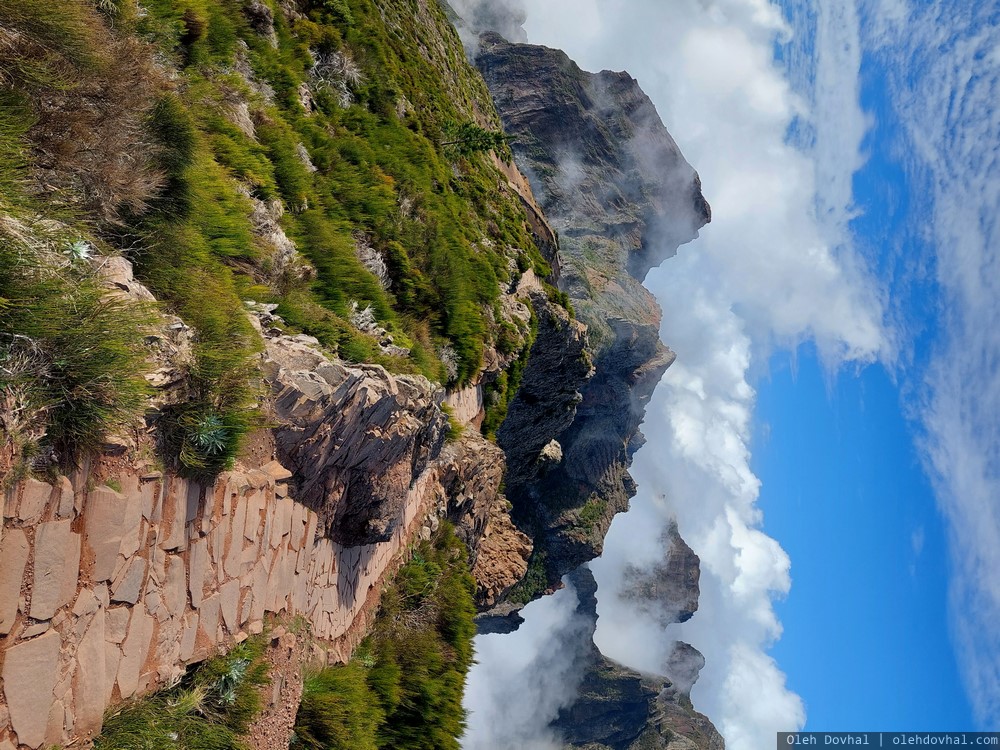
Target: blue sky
865 639
849 457
829 438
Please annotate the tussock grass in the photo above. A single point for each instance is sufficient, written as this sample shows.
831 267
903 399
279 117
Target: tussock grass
71 356
403 689
210 709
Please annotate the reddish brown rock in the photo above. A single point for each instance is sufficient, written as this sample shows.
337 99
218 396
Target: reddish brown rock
13 557
103 514
56 567
28 681
89 686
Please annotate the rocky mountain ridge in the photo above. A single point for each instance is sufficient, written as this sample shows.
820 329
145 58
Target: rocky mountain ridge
615 186
617 708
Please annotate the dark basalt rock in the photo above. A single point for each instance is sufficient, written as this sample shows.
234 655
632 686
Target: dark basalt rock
546 404
615 186
618 708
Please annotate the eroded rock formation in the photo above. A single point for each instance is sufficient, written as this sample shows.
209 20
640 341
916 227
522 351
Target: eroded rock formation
356 437
616 188
618 708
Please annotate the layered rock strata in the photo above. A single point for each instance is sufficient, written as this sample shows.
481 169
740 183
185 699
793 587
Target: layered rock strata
617 708
616 188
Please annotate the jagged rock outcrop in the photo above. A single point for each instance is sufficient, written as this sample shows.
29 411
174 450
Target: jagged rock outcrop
502 555
615 186
598 156
170 343
620 709
670 589
471 473
355 437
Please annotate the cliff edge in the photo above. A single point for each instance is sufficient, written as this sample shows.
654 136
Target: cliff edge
619 193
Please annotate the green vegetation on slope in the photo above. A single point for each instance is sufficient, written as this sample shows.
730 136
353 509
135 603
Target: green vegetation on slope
70 357
346 124
69 354
210 709
356 125
403 689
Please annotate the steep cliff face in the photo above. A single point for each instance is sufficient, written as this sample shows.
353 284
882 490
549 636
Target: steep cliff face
616 188
620 709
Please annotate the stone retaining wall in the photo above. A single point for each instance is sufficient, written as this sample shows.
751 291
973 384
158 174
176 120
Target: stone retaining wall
107 593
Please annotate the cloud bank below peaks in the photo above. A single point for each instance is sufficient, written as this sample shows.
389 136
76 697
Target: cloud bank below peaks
775 268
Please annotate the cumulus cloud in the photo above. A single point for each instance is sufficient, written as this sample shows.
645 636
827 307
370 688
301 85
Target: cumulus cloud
774 268
945 85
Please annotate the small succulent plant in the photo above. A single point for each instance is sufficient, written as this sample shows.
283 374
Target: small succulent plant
209 434
79 250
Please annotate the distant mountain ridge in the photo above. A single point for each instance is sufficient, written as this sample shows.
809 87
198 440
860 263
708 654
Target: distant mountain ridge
617 190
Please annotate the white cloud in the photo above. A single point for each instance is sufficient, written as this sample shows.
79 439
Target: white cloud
521 680
774 268
945 84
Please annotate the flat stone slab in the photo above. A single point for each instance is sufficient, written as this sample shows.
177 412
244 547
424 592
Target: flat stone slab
29 678
134 651
116 624
13 557
175 587
34 498
89 686
198 567
104 513
128 588
229 601
57 565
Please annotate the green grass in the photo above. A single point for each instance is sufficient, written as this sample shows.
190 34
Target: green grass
403 689
534 581
455 428
210 709
70 356
439 215
592 512
54 41
500 393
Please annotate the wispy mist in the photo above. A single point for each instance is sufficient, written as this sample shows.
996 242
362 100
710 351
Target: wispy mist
944 84
506 17
521 680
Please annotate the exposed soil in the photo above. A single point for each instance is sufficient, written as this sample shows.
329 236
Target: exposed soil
286 654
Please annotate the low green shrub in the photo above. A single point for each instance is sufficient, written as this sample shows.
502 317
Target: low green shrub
592 511
534 581
403 689
71 355
210 709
